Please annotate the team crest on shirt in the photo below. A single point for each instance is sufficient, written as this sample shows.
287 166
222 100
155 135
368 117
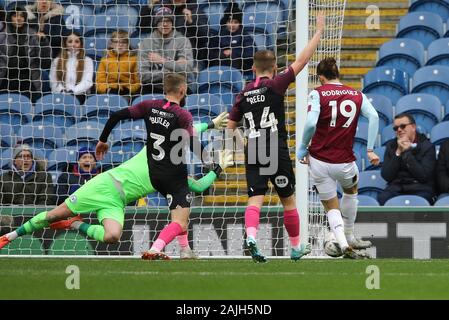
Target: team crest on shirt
281 181
73 199
169 199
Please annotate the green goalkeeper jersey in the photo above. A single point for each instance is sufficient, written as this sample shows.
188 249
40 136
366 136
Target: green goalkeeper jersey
134 176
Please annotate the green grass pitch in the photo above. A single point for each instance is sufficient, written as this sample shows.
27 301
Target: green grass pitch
23 278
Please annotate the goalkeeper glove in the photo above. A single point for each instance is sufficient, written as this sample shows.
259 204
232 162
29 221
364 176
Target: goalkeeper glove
220 122
224 162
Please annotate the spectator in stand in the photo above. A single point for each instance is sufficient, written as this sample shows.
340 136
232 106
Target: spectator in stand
146 16
23 54
72 71
442 171
118 71
409 162
165 51
27 183
83 171
232 47
46 17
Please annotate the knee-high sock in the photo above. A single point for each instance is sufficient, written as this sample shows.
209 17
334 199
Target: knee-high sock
292 225
36 223
183 240
94 231
348 208
252 215
337 226
166 236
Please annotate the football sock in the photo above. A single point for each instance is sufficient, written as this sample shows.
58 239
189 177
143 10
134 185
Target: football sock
94 231
252 214
38 222
348 208
337 226
291 223
166 236
183 240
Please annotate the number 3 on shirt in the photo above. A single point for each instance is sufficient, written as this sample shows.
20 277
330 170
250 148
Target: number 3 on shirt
264 122
350 115
157 146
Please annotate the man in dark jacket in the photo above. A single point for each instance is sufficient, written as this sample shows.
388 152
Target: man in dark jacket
84 170
27 183
442 171
409 162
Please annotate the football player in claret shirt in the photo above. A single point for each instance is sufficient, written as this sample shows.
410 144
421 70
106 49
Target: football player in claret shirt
261 106
331 124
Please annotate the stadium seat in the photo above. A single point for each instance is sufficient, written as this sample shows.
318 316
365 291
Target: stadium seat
425 108
15 110
361 138
446 112
214 9
131 130
387 135
96 43
406 201
156 199
76 13
404 54
6 135
223 81
83 134
120 155
371 183
204 104
59 159
359 160
57 109
103 105
442 201
422 26
440 7
380 151
263 15
124 15
367 201
433 80
446 35
438 52
41 136
390 82
262 40
440 133
128 146
384 109
5 158
147 97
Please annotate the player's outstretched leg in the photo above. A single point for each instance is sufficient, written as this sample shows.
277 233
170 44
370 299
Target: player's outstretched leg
38 222
348 206
186 253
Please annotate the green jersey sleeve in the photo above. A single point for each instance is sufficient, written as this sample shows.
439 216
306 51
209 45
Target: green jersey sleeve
202 184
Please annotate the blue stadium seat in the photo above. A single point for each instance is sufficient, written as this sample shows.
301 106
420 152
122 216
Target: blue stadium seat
263 15
406 201
41 137
128 146
59 159
384 109
361 138
127 129
443 200
15 110
433 80
214 9
446 112
57 109
223 81
147 97
96 43
262 40
7 135
425 108
371 183
156 199
367 201
446 35
103 105
380 151
83 134
76 12
440 133
120 155
390 82
440 7
359 160
5 158
438 52
404 54
387 135
422 26
204 104
123 15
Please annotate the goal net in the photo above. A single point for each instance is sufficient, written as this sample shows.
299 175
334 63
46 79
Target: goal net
55 97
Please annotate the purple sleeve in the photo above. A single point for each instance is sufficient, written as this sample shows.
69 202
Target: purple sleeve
185 121
236 114
281 81
139 110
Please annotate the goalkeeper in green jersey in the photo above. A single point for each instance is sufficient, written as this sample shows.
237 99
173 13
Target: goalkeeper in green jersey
108 193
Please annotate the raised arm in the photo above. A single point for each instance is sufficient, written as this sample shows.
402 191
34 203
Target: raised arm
307 53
